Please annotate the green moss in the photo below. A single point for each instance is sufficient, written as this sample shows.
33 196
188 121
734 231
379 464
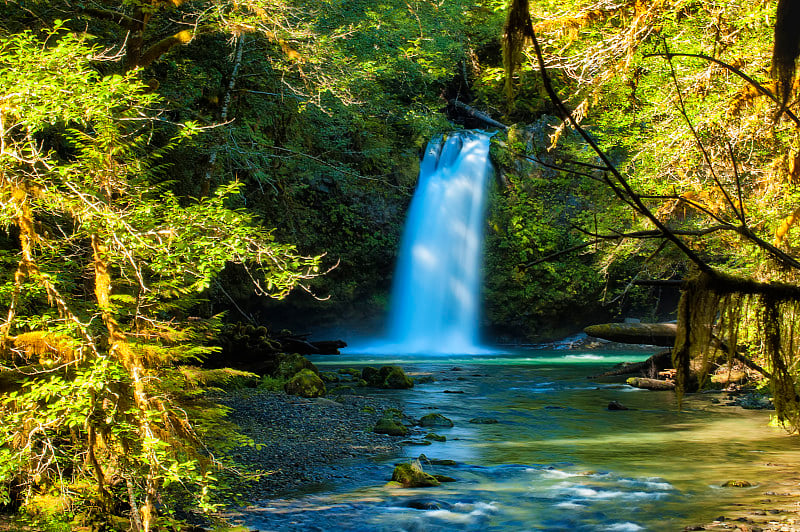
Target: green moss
412 476
306 383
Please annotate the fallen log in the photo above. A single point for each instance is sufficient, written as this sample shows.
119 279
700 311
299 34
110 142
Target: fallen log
661 334
648 368
474 113
650 384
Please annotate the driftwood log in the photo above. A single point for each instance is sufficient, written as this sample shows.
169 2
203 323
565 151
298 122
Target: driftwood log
649 368
650 384
660 334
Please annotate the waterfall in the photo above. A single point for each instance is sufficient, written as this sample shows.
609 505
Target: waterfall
435 304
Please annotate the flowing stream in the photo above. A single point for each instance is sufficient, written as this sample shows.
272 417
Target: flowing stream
557 458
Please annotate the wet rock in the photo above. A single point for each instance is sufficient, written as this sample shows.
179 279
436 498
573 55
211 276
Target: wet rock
390 426
737 484
305 383
424 379
289 364
444 478
435 437
453 391
616 405
416 442
435 461
392 377
419 504
412 476
435 420
329 376
395 378
483 420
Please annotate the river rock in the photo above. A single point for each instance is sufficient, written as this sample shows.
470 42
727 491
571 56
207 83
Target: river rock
435 420
616 405
392 377
435 437
444 478
305 383
390 426
483 420
418 504
737 484
290 364
661 334
412 476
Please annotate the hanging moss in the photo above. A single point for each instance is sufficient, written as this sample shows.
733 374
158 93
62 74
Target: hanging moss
722 314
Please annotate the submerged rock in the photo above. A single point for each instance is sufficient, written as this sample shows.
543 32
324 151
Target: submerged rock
412 476
616 405
435 420
483 420
737 484
305 383
435 437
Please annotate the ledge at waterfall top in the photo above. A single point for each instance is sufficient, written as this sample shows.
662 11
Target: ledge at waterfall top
436 293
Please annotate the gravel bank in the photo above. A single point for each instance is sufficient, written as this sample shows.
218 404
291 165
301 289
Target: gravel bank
304 439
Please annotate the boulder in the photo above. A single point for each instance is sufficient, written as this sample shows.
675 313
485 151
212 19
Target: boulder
305 383
292 363
395 378
412 476
392 377
661 334
390 426
435 420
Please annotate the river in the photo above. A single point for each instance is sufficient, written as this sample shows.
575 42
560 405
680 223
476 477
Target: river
557 458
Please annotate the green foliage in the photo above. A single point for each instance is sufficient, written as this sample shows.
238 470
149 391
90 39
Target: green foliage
110 266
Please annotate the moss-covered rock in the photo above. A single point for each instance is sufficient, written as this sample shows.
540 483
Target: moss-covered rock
305 383
390 426
291 363
483 420
435 437
412 476
435 420
329 376
371 376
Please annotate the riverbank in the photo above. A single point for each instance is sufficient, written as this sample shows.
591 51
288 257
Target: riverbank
299 441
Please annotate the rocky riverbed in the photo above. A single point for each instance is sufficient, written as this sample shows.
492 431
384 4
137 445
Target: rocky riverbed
300 440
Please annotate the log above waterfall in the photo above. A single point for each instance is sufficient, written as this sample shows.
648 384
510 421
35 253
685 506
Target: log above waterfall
660 334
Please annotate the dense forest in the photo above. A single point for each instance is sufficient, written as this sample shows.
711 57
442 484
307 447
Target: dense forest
169 168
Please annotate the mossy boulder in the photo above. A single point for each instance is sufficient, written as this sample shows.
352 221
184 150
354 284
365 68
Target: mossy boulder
290 364
370 375
391 426
412 476
435 420
392 377
305 383
329 376
435 437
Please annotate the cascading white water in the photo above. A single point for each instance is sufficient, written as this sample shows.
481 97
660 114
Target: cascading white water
435 298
